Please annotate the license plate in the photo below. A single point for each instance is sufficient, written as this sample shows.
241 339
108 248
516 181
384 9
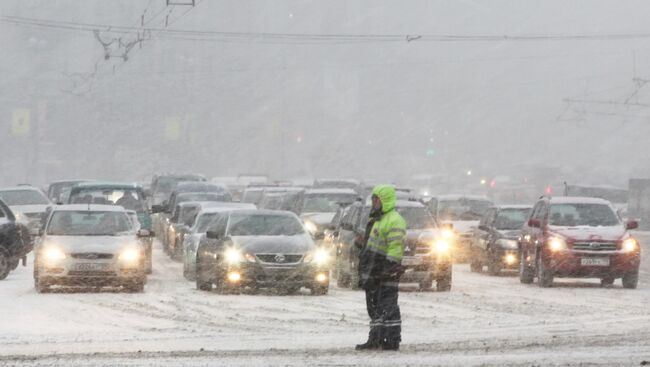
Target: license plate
91 267
594 261
410 261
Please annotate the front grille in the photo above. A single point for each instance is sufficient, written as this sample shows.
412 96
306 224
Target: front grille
91 256
279 258
76 273
595 246
410 247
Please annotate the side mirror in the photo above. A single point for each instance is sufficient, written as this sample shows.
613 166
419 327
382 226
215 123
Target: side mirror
157 209
483 227
449 226
631 224
534 223
40 232
145 233
213 235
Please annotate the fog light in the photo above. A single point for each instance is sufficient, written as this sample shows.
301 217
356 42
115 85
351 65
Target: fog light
321 277
510 259
234 277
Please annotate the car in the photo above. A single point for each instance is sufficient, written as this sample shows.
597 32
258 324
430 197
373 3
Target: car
57 190
168 237
496 241
253 193
180 193
578 237
28 204
337 183
319 206
15 241
282 198
208 215
463 212
90 245
163 185
428 248
128 195
261 249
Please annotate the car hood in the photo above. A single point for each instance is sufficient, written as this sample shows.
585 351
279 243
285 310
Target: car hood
26 209
319 219
463 226
510 233
586 233
274 244
102 244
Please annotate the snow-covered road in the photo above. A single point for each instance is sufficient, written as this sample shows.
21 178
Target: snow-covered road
484 320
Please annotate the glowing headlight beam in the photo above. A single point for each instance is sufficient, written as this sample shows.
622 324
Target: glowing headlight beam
556 244
630 245
53 254
441 246
233 256
311 227
130 255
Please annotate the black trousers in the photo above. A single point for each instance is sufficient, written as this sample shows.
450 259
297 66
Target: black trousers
385 318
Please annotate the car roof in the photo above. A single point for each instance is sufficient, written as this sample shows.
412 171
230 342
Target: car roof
577 200
330 191
221 209
268 212
107 185
89 207
328 180
70 181
514 206
459 196
215 193
283 189
402 203
182 186
21 188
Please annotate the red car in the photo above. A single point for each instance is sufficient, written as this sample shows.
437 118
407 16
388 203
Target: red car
576 237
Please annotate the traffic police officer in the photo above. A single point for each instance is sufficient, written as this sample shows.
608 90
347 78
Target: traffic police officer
380 269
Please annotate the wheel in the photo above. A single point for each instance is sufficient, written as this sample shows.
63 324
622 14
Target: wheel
135 286
319 290
544 277
5 267
148 263
203 285
342 279
606 281
444 284
426 285
176 252
494 266
526 274
475 266
354 276
630 280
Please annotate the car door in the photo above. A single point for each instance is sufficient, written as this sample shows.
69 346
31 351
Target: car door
538 233
528 232
483 234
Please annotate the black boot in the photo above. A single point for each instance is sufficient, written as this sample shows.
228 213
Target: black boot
374 341
390 345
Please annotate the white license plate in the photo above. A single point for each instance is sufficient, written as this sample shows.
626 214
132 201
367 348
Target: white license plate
410 261
92 267
594 261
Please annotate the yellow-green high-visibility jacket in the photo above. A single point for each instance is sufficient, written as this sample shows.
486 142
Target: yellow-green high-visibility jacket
388 234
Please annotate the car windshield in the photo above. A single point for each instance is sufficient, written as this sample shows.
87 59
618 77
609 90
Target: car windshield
89 223
462 209
264 225
205 221
188 214
417 218
129 199
23 197
574 215
326 203
511 219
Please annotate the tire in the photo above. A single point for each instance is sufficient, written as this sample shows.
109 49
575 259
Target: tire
319 290
606 281
444 284
342 279
544 278
5 266
202 284
494 267
148 264
354 280
176 253
526 273
630 280
135 287
426 286
475 267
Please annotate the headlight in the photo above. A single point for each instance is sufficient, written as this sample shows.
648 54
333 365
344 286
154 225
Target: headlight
53 254
319 256
441 246
233 256
311 227
20 217
556 244
507 244
129 255
447 233
630 245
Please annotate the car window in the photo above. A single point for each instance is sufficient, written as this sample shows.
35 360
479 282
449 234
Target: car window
264 225
573 215
23 197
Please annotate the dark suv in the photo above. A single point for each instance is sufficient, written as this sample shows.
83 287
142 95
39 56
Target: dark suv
15 241
495 242
578 237
427 253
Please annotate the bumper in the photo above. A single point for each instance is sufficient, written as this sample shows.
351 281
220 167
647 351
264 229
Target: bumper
261 276
429 268
569 264
508 259
72 272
